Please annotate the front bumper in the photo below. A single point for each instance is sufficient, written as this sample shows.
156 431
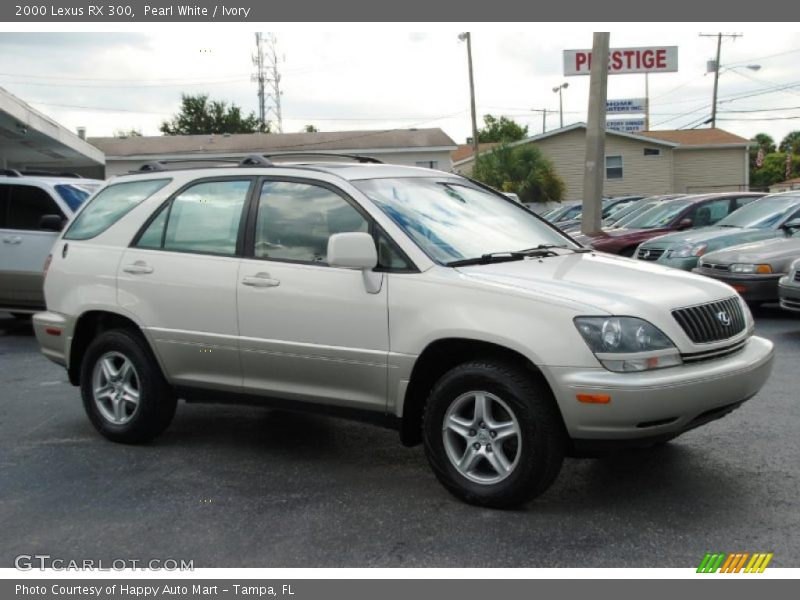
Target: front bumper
789 296
53 334
752 287
665 402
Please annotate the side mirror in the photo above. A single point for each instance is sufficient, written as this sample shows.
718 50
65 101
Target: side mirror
685 224
51 223
792 224
353 250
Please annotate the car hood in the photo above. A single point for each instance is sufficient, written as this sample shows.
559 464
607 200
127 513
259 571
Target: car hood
608 283
777 252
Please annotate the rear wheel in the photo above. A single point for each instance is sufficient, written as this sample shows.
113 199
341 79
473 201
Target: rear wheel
124 392
492 434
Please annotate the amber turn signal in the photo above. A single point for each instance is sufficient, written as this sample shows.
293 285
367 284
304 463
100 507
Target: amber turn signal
594 398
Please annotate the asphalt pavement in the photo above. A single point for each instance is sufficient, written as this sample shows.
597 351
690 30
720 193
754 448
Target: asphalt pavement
249 487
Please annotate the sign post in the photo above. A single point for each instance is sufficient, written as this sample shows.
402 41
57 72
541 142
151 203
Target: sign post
594 169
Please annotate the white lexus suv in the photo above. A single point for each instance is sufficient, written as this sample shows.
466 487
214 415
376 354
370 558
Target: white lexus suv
413 298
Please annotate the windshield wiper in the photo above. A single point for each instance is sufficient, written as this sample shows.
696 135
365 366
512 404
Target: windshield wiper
540 251
560 247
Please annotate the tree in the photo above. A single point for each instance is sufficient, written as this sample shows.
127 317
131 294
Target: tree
310 129
501 130
128 133
523 170
761 142
790 143
199 115
773 170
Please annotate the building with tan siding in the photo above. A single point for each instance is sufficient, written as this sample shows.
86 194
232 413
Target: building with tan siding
649 162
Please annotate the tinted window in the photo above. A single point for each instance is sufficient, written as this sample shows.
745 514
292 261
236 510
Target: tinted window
740 202
110 205
764 213
295 221
5 190
204 218
28 204
710 212
659 216
153 236
389 257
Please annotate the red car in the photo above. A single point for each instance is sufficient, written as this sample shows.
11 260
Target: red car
687 212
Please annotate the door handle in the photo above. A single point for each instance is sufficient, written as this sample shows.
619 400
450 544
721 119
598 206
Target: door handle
13 240
138 268
262 280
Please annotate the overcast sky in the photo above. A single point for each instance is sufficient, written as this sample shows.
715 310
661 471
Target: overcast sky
389 77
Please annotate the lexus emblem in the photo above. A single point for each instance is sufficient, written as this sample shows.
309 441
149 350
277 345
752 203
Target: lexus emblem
724 318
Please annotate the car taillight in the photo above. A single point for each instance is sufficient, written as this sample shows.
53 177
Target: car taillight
47 262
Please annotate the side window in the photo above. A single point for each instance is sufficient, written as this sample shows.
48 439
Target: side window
295 221
5 190
204 218
717 210
28 204
110 205
153 236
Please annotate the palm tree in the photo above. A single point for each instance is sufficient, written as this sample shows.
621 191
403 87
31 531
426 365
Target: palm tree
523 170
790 143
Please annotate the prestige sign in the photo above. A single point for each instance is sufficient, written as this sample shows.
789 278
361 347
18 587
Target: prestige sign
651 59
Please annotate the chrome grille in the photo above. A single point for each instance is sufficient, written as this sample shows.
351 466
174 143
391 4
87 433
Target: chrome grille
711 322
649 253
797 275
715 267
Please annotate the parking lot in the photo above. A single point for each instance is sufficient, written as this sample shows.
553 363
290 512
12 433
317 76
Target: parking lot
247 487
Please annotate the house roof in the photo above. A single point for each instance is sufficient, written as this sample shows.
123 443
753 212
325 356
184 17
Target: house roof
465 150
382 140
698 137
793 181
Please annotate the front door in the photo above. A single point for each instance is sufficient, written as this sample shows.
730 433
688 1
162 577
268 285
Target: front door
309 332
180 279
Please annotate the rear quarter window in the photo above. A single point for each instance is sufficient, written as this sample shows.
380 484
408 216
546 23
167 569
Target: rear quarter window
110 205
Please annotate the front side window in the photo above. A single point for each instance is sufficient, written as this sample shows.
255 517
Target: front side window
110 205
295 220
27 205
613 167
203 218
710 212
452 220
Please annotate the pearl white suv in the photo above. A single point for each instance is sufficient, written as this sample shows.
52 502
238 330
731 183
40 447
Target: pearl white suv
409 297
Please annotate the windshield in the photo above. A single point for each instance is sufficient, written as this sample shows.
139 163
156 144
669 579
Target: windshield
660 216
559 213
74 194
451 219
764 213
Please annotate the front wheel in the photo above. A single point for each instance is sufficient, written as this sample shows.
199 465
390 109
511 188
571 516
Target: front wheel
492 434
124 392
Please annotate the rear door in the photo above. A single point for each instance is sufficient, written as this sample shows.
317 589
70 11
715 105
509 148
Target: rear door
179 277
24 246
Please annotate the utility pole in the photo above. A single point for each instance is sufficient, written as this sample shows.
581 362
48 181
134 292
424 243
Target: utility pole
468 38
560 89
647 101
719 37
594 170
269 79
544 120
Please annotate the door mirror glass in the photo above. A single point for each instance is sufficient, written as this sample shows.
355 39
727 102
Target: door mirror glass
51 223
354 250
792 224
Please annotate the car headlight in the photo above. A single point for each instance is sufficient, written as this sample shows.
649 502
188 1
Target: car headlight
750 268
627 343
687 250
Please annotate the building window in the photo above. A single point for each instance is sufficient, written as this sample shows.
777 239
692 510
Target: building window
652 152
428 164
613 167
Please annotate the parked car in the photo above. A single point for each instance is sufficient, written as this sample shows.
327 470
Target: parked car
502 346
610 206
773 216
566 212
789 288
688 212
752 269
33 209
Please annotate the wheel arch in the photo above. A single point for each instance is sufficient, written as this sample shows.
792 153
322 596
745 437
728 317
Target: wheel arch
439 357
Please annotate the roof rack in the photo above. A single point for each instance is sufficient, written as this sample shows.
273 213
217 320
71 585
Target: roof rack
38 173
360 158
166 165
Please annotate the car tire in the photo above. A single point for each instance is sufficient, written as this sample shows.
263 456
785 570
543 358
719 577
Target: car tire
532 459
118 363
